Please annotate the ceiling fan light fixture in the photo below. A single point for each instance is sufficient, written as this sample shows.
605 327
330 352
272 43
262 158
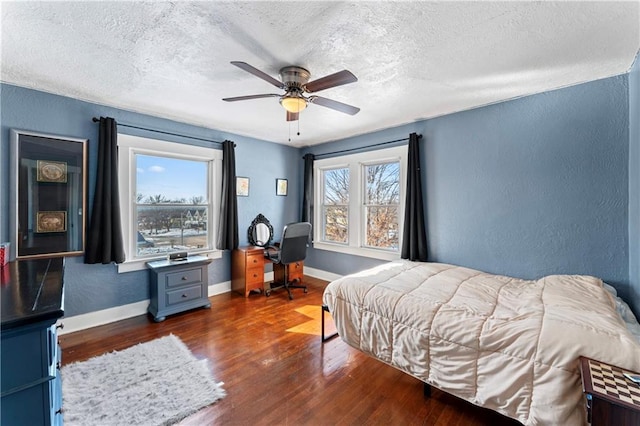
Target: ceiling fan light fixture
293 103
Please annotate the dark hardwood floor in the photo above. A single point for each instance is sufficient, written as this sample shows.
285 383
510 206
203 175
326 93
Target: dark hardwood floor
278 377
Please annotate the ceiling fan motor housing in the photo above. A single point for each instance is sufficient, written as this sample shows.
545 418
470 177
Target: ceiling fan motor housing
294 77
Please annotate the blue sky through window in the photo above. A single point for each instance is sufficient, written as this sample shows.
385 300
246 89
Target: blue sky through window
171 177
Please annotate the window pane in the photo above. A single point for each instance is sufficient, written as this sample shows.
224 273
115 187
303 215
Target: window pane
163 229
336 205
171 205
382 196
382 227
165 179
383 184
336 187
335 223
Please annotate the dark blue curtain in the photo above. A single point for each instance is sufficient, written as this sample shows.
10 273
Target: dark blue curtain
104 236
228 228
414 240
307 195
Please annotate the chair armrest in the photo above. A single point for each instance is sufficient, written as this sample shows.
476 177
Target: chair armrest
272 253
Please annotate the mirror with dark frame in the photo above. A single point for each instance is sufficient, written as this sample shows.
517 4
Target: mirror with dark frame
260 232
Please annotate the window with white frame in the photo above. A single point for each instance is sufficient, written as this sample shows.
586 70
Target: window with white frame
358 199
169 195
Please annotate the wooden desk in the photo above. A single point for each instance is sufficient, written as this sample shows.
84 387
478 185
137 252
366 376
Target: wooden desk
247 270
612 399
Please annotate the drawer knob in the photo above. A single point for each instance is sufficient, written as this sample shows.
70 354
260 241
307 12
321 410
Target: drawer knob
59 411
255 260
60 326
184 295
184 278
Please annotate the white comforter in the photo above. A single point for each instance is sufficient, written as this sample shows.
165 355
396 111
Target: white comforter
506 344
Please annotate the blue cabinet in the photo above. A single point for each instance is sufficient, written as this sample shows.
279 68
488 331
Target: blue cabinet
32 302
177 286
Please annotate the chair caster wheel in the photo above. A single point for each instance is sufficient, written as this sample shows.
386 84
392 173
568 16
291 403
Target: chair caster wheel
267 293
306 291
290 297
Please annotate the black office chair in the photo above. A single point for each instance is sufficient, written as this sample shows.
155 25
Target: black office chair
292 248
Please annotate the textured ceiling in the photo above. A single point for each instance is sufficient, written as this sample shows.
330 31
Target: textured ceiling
413 60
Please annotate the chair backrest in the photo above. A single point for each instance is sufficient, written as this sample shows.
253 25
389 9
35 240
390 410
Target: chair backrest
293 246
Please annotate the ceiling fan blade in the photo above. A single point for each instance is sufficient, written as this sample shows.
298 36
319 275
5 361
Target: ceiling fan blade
292 116
338 106
255 71
244 98
333 80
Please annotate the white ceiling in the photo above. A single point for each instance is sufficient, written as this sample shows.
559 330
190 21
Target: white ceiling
413 60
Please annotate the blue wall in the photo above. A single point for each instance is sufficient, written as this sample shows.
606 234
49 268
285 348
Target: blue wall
94 287
633 292
534 186
527 188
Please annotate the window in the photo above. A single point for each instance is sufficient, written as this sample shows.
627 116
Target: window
168 196
359 203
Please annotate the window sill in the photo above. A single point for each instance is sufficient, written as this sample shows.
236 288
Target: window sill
357 251
141 264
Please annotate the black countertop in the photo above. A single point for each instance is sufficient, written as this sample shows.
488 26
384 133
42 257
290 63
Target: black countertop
31 291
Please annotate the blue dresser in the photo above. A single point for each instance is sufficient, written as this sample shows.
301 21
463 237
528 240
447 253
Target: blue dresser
32 297
177 286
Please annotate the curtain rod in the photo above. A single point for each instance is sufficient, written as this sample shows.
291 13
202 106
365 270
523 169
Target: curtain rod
363 147
96 119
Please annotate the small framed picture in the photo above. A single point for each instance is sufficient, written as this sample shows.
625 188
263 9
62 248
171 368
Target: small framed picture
242 186
51 221
52 171
281 186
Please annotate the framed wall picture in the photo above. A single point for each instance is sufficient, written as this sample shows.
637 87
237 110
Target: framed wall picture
52 171
51 221
242 186
281 187
48 178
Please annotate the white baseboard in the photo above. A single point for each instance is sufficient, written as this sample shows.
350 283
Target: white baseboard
106 316
320 274
117 313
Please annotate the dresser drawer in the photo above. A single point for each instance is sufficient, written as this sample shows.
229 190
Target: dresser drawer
184 295
188 276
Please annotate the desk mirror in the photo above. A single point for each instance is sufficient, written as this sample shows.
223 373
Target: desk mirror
260 232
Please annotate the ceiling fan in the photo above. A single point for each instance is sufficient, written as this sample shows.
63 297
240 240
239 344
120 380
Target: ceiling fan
295 83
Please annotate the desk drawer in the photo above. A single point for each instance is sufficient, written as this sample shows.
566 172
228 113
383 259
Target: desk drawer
255 261
255 275
184 295
188 276
295 271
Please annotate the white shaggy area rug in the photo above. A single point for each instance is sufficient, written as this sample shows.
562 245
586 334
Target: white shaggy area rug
155 383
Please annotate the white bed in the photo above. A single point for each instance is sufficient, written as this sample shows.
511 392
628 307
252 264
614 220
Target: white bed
507 344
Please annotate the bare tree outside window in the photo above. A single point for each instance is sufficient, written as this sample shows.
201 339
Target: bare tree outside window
336 205
382 199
